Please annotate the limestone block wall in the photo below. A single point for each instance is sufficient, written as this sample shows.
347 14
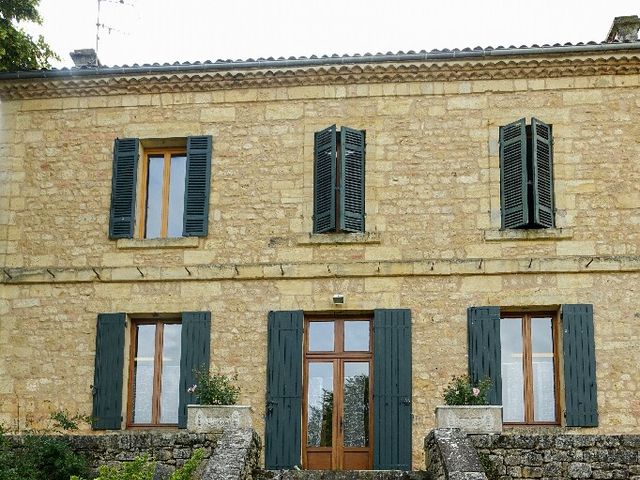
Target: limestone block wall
432 170
432 244
47 343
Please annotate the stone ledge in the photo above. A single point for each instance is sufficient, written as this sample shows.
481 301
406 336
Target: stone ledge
181 242
337 238
493 235
306 270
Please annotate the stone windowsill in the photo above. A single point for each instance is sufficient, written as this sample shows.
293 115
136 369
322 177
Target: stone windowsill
493 235
182 242
338 238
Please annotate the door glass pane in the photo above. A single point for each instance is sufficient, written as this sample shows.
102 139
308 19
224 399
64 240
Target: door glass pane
170 391
544 397
512 369
143 373
154 196
321 336
356 336
356 404
320 404
176 195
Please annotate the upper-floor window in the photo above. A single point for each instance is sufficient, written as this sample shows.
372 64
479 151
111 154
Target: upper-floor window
172 197
338 199
526 175
162 199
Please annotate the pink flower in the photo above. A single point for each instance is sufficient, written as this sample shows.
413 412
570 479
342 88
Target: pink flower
476 391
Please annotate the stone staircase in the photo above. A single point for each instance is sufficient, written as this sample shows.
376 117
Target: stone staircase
338 475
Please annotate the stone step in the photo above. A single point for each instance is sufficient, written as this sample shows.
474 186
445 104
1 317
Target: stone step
339 475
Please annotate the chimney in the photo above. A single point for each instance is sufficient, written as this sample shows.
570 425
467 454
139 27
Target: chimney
624 29
85 57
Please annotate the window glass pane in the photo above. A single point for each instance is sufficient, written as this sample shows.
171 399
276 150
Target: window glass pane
321 336
154 196
512 369
176 195
356 404
320 404
544 397
143 373
170 391
356 336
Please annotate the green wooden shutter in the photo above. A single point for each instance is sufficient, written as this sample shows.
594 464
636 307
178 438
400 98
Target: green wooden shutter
483 334
581 401
195 344
542 158
123 188
324 195
392 389
513 175
283 421
352 149
109 368
197 186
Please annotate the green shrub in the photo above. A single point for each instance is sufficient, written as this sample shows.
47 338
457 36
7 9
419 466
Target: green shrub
462 391
186 471
39 458
214 389
65 421
142 468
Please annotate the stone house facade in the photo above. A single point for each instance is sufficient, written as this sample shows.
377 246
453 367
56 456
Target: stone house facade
343 233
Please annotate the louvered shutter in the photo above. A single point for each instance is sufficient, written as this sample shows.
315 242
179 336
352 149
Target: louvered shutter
392 389
513 175
542 158
483 334
324 195
197 186
283 419
194 355
352 150
109 368
581 401
123 188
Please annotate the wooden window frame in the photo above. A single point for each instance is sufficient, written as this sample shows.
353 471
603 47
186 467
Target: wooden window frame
167 153
527 370
337 355
157 371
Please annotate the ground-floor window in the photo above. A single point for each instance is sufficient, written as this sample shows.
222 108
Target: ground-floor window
520 352
154 372
529 367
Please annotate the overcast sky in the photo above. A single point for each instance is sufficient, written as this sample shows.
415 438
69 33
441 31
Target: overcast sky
147 31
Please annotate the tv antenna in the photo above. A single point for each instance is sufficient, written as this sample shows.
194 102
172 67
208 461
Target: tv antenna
108 28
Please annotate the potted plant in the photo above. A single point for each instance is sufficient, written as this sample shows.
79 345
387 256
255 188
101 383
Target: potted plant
466 407
217 410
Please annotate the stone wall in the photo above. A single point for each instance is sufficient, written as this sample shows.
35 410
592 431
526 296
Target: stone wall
169 449
450 455
559 456
235 457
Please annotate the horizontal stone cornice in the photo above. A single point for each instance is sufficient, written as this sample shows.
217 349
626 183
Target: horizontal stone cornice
160 82
302 270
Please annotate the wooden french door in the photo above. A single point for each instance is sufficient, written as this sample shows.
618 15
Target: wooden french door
337 407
